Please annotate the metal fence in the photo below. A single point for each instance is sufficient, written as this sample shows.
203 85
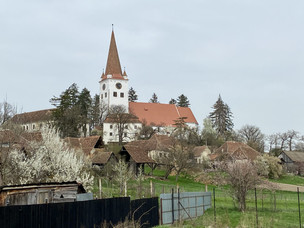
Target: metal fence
181 206
92 213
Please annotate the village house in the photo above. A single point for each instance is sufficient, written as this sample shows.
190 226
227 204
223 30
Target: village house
232 150
201 154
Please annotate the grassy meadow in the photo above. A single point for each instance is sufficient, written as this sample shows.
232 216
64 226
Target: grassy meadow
275 208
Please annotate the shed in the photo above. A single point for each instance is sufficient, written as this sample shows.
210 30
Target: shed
136 156
293 161
40 193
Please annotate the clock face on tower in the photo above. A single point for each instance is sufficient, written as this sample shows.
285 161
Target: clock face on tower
118 85
104 86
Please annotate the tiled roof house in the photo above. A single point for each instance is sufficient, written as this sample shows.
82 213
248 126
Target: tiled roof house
232 150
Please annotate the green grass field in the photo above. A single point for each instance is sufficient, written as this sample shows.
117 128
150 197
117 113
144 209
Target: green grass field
275 209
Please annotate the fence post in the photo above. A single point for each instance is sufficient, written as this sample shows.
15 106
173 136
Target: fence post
262 200
178 199
161 211
206 188
299 207
256 208
151 188
99 188
275 201
214 206
172 203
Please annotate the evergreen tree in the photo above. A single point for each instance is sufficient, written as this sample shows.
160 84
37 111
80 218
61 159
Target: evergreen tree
132 95
172 101
154 99
95 112
72 111
84 103
221 118
182 101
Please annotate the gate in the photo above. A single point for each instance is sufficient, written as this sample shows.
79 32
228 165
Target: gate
182 206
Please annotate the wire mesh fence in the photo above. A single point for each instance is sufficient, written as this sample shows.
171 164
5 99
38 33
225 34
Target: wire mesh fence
264 208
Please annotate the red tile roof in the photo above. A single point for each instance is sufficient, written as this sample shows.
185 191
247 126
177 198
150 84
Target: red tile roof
160 114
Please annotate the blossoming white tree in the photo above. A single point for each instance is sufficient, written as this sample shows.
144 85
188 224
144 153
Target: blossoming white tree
50 160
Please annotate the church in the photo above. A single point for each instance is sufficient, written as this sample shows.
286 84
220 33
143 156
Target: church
133 116
114 92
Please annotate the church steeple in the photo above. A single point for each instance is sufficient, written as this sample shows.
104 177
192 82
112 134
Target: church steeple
113 64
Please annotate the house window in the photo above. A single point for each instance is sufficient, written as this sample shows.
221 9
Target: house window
160 155
126 127
114 94
111 126
121 94
125 134
33 126
135 127
26 127
106 95
101 96
111 134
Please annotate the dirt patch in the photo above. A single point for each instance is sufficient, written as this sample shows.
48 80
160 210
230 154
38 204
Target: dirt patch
279 186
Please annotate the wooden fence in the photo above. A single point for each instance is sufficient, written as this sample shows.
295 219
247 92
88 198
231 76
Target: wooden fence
93 213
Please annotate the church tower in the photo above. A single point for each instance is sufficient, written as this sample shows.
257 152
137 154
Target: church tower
114 83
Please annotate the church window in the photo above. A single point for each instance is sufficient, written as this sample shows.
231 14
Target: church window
111 134
106 95
121 94
111 126
115 94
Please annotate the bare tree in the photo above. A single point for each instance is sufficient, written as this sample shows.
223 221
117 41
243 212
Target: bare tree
273 141
283 139
252 136
120 118
7 111
242 175
292 136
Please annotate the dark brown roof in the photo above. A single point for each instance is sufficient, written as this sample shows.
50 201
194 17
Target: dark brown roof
236 150
138 154
102 157
32 117
21 138
113 64
86 144
156 142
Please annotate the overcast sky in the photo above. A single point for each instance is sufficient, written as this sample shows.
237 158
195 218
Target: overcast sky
249 51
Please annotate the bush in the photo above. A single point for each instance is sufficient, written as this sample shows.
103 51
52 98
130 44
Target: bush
269 166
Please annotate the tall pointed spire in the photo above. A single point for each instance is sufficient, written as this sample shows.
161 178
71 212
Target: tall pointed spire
113 64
